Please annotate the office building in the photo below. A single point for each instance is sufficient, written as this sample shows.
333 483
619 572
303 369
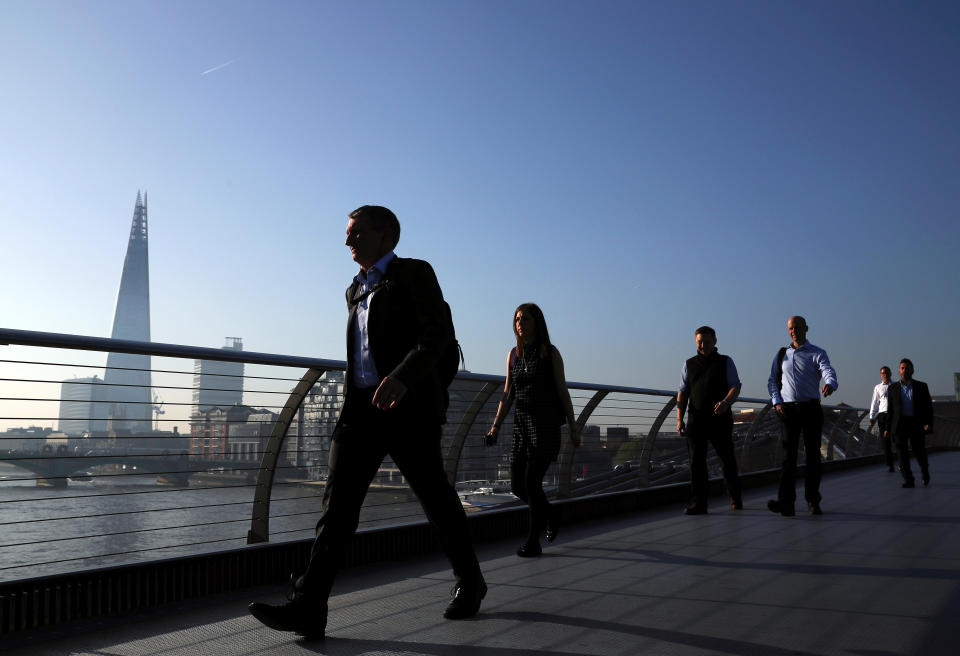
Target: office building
217 383
82 410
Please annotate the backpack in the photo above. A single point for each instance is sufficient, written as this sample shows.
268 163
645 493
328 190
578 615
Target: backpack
452 357
781 354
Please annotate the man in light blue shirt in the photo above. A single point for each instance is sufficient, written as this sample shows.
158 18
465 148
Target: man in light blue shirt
795 388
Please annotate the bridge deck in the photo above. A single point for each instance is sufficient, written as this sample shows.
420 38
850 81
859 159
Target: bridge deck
879 573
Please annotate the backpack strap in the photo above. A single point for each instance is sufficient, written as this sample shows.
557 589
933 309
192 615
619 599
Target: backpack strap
357 299
385 280
781 354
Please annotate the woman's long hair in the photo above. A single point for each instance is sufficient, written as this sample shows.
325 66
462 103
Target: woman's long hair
542 338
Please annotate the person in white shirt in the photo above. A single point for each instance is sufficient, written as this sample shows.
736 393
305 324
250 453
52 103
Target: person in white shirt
878 414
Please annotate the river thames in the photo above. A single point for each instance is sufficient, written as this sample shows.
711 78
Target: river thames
117 519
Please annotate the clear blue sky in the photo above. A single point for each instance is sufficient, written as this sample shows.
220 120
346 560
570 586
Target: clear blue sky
636 168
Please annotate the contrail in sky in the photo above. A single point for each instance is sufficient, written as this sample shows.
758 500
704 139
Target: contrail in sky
217 68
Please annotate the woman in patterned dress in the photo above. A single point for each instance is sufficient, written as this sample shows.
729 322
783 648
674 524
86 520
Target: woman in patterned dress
536 384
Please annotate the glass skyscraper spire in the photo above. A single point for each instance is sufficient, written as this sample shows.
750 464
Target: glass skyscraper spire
127 377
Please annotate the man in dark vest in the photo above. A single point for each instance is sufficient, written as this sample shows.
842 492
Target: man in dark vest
394 404
709 385
910 418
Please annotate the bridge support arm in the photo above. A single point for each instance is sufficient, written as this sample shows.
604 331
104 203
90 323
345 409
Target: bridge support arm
260 520
865 440
647 450
751 435
832 439
565 461
452 464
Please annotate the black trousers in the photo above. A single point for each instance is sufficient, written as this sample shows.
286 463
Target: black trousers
704 429
910 436
526 479
806 418
882 423
363 438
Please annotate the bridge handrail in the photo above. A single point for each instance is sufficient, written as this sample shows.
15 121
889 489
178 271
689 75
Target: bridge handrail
110 345
482 387
10 336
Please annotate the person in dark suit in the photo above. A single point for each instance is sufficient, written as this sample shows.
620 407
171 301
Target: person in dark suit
394 404
909 419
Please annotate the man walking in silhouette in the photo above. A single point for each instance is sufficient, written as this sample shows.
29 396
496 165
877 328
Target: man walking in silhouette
394 404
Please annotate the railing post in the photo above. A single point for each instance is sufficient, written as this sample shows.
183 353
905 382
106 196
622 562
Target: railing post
260 519
565 464
647 449
751 433
856 426
452 463
848 443
831 436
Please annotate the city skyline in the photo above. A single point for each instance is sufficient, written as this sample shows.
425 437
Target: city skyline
637 169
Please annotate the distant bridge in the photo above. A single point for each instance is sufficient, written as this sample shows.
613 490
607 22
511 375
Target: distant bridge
54 467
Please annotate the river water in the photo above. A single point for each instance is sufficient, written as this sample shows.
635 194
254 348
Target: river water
111 520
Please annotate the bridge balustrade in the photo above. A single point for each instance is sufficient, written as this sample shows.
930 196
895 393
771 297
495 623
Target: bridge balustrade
87 482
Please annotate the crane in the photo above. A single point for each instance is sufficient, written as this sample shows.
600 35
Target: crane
157 411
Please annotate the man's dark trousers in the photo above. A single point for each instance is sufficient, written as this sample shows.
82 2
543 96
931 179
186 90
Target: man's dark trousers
704 428
910 436
364 436
882 424
804 417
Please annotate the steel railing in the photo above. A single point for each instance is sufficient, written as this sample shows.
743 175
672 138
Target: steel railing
194 479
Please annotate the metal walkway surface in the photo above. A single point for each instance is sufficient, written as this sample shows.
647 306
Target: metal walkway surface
878 573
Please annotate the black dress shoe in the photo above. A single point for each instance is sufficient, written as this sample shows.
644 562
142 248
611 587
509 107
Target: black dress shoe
298 616
908 484
777 506
466 599
814 509
529 551
552 530
695 510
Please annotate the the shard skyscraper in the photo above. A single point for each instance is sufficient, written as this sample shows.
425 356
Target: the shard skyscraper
127 377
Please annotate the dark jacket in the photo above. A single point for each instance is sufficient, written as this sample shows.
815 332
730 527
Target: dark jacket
408 333
922 406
